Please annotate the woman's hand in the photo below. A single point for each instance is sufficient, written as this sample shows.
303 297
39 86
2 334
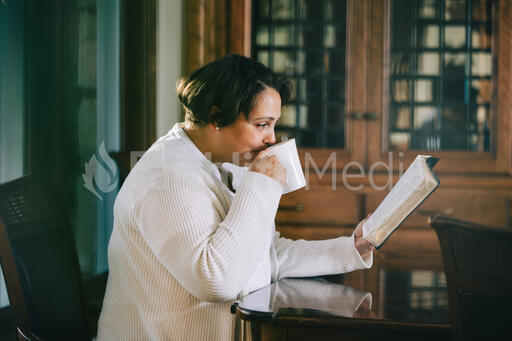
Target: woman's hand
363 246
270 166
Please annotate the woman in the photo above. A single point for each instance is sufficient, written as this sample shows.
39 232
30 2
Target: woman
192 231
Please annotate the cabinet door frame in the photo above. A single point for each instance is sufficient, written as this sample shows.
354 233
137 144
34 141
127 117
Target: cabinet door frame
356 95
499 159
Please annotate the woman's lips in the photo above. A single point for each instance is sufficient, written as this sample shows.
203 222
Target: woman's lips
253 153
257 151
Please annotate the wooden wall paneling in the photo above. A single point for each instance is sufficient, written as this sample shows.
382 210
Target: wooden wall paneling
240 27
194 28
214 29
216 44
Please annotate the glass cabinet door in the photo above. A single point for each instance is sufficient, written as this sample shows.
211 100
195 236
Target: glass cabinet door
307 41
402 76
445 76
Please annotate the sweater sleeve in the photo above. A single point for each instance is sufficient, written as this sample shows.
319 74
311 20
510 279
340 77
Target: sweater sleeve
307 258
212 259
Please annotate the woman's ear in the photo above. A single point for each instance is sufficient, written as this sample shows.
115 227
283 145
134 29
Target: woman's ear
214 115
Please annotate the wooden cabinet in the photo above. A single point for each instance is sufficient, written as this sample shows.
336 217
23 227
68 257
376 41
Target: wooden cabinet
318 212
407 77
308 207
420 77
376 83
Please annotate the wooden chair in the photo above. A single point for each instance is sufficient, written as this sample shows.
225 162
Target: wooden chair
478 266
26 336
40 266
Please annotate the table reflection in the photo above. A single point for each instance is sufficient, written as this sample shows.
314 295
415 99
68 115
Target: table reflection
399 298
416 296
311 296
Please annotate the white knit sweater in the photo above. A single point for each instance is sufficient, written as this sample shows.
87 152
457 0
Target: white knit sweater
184 246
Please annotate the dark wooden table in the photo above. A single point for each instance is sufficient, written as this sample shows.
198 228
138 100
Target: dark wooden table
388 303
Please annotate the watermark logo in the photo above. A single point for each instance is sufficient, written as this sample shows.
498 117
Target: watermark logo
100 173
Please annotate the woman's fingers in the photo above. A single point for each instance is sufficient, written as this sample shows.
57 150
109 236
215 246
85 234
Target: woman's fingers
269 165
363 246
359 228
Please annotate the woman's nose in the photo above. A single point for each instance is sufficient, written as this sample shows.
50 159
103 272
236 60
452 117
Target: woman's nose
270 138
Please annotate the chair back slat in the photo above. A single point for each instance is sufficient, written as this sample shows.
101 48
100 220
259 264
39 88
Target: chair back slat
23 203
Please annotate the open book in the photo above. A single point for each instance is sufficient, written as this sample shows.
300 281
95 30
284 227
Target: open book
415 185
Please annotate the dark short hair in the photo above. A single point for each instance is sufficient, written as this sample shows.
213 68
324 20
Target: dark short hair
231 84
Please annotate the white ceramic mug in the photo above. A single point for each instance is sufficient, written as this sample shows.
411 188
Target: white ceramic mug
288 156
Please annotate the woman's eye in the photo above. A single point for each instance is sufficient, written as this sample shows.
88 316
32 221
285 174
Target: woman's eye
262 125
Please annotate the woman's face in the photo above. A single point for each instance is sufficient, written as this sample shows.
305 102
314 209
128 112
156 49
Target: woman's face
245 138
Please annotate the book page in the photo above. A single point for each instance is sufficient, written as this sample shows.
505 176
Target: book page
412 188
398 193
